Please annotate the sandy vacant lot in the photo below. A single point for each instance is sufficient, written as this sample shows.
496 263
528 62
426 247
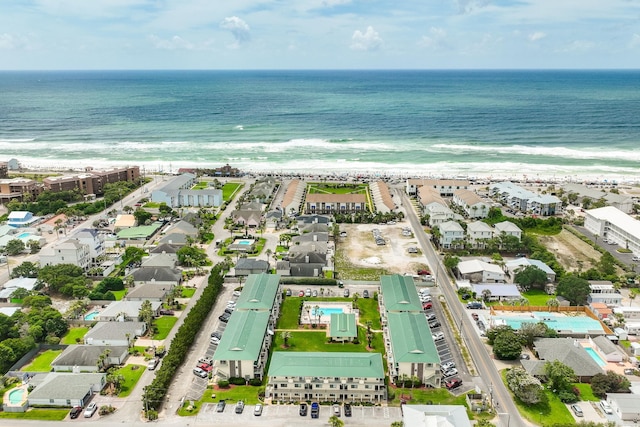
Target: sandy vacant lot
570 251
362 250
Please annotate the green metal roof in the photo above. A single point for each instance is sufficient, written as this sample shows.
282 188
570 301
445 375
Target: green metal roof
318 364
242 338
140 232
343 325
259 292
399 293
411 338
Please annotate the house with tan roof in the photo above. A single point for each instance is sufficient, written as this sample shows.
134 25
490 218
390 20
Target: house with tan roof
330 203
382 200
472 204
445 187
293 197
435 206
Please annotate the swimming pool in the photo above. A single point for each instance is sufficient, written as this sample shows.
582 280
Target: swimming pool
327 311
91 316
16 396
243 242
595 356
23 235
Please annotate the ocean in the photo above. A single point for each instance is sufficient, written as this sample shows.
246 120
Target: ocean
562 125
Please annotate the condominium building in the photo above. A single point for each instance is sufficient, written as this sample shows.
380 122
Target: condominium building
91 181
613 225
339 203
326 377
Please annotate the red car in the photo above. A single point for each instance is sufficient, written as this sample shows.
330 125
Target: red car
301 293
423 272
427 305
205 367
453 383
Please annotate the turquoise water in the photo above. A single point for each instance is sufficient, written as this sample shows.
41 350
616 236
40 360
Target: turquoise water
91 315
326 311
23 235
580 324
474 123
594 355
16 396
243 242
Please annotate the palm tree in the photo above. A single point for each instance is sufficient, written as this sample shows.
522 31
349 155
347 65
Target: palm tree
285 337
268 252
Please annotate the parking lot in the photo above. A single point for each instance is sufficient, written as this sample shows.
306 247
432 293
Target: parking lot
287 415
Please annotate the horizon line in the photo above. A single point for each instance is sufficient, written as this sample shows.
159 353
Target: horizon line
310 69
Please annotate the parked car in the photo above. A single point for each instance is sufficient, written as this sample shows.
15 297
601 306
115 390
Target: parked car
452 383
224 318
606 407
90 410
216 334
239 407
431 316
347 410
206 367
165 312
447 366
301 293
151 364
75 412
438 336
635 258
475 316
423 272
434 324
220 406
525 356
315 410
450 372
199 372
314 293
474 305
336 409
307 293
288 292
257 410
303 410
365 294
577 410
215 340
427 305
346 293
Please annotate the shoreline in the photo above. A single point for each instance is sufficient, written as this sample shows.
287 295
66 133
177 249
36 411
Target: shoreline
338 173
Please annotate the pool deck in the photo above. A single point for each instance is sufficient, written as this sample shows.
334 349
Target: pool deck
6 403
308 318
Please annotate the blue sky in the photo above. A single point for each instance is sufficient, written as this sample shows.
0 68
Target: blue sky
319 34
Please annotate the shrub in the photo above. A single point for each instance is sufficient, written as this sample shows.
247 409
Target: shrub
567 397
256 382
237 381
223 384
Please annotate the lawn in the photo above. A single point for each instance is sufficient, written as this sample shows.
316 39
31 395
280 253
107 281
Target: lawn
200 186
73 335
249 394
289 313
164 325
422 396
369 311
119 294
537 297
229 189
42 362
338 188
151 205
187 292
317 341
586 393
36 414
132 374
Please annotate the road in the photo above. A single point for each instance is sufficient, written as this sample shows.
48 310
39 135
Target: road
509 415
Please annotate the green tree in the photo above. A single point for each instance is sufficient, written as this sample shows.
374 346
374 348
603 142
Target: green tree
525 386
14 247
133 254
451 261
529 331
601 384
7 327
492 333
7 358
507 346
607 264
142 216
34 246
531 277
191 256
335 421
146 314
397 424
574 289
26 269
559 375
286 335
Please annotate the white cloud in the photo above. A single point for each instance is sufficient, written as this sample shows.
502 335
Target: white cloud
435 39
10 42
538 35
174 43
369 40
577 46
240 30
468 6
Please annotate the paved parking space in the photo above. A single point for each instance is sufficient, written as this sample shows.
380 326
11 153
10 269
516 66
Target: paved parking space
287 415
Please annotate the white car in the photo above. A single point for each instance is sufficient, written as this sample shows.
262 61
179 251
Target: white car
450 372
90 409
606 407
438 336
447 366
635 258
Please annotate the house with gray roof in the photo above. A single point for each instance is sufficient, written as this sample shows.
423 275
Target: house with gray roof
13 285
342 327
305 247
566 350
626 406
314 219
160 260
182 227
148 291
248 218
608 350
309 264
326 377
313 227
165 248
514 266
176 239
115 333
247 266
314 236
178 192
497 291
127 310
65 389
85 358
624 202
159 275
508 228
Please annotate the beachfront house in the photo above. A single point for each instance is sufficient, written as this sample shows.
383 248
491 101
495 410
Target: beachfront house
623 202
444 187
472 204
335 203
521 199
